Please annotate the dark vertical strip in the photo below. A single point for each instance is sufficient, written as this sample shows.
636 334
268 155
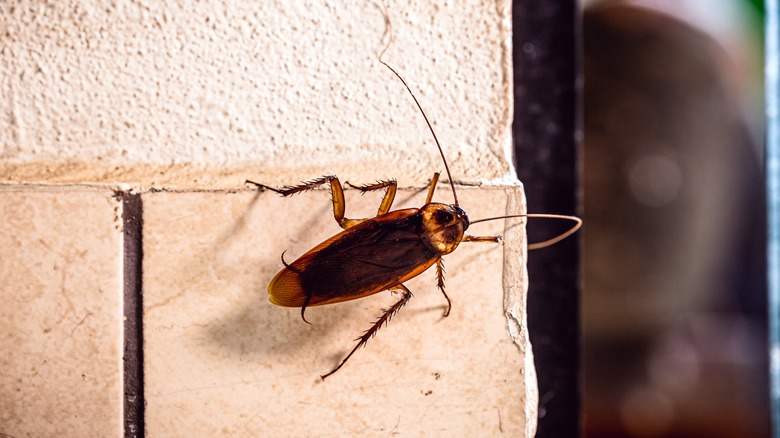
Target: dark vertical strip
547 151
132 219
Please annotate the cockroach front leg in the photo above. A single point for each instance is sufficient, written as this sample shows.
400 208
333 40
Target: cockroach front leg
440 284
432 187
492 239
389 313
440 263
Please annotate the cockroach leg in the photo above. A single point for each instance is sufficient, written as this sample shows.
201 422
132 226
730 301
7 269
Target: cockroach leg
432 187
335 189
302 187
387 200
262 187
303 307
440 284
492 239
389 313
337 196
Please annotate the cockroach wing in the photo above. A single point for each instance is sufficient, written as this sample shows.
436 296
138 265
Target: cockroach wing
363 260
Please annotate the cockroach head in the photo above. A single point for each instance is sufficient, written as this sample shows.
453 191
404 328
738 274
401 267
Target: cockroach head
443 226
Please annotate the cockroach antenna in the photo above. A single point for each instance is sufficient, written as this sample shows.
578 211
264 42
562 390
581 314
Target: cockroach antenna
577 221
389 35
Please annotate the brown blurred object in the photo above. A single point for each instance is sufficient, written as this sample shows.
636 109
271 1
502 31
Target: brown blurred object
674 298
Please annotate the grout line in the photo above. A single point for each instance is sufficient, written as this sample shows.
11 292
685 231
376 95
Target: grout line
124 189
132 219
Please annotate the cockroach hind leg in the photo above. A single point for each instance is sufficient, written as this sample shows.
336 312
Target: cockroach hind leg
382 320
303 308
303 317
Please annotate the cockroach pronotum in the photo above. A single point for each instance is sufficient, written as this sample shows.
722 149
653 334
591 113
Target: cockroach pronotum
380 253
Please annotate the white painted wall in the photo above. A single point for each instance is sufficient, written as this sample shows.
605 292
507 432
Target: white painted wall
208 94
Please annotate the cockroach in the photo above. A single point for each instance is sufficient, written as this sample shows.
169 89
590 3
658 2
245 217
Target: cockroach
380 253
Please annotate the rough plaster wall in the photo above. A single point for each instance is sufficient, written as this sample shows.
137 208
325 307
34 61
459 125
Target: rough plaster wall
210 93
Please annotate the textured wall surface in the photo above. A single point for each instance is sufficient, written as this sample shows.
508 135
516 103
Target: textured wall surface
210 93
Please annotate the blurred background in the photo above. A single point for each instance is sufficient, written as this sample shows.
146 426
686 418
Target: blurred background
674 299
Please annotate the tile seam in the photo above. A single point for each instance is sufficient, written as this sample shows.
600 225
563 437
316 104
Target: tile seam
132 219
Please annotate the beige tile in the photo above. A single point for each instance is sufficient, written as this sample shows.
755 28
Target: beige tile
220 359
60 322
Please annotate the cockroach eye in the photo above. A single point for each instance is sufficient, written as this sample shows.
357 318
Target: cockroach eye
464 218
443 217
